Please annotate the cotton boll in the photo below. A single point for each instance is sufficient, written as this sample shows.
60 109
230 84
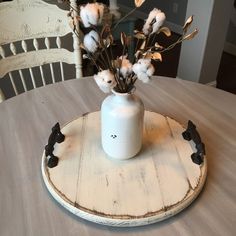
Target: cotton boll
146 28
143 77
84 17
141 66
91 41
156 15
150 70
105 80
91 14
136 68
160 18
151 16
144 69
126 67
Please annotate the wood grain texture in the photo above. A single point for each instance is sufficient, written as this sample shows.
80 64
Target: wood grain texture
35 58
26 120
34 19
149 188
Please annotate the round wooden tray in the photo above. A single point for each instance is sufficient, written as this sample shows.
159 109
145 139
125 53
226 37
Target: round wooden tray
159 182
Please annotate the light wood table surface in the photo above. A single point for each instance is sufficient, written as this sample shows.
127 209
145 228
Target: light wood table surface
27 208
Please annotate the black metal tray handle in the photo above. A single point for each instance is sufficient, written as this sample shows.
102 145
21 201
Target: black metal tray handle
191 133
55 137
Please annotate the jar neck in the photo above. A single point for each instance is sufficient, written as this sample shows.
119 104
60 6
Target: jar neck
122 96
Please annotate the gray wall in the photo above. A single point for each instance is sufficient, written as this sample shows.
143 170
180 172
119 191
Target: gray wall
231 35
200 58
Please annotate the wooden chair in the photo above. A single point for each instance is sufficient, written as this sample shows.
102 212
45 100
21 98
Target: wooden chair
31 39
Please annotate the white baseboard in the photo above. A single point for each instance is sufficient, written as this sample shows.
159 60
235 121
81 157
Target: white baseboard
230 48
212 83
142 15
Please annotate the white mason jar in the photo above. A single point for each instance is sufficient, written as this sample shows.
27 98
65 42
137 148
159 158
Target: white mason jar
122 125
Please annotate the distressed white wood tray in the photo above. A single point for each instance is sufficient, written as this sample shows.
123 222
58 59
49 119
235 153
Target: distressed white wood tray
159 182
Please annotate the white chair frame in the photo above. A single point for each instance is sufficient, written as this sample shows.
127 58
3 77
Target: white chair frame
23 20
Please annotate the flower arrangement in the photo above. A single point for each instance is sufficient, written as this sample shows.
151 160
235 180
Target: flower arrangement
121 73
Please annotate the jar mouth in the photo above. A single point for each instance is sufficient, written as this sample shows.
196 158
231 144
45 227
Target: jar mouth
130 91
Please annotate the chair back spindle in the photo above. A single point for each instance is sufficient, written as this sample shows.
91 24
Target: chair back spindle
36 40
2 53
58 42
25 49
76 41
14 52
36 46
47 43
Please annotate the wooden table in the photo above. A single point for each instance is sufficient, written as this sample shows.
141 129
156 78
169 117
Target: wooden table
26 207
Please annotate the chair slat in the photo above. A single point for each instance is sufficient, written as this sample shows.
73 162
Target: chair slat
24 45
13 48
58 42
25 48
23 80
52 72
2 52
13 83
36 44
47 43
42 75
62 71
35 58
32 77
2 96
